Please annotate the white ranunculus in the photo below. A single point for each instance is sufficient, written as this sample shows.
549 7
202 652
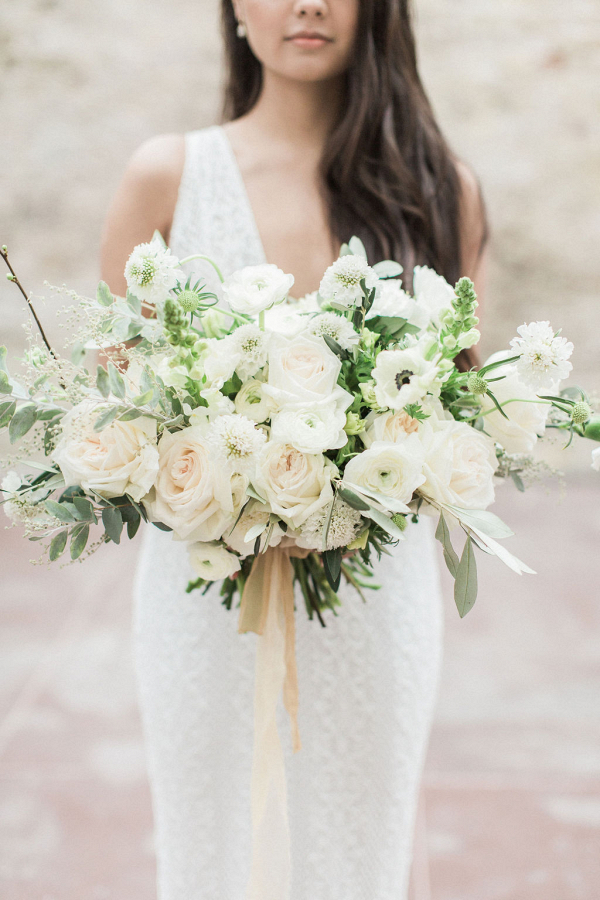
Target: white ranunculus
392 300
255 288
255 513
195 492
285 319
310 429
432 292
150 272
596 459
392 469
120 459
252 402
340 285
212 561
459 464
404 376
295 484
544 356
388 426
526 419
303 370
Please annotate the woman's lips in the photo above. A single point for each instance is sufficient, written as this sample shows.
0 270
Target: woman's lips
309 41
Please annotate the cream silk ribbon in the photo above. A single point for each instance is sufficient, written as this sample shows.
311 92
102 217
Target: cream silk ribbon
267 608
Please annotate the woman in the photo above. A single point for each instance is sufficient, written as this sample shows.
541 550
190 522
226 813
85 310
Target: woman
327 134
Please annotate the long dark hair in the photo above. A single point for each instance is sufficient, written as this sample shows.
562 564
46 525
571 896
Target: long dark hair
387 172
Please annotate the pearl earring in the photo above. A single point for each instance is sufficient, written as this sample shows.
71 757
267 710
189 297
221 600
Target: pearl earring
241 30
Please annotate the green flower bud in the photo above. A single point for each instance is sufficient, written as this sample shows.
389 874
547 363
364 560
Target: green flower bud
468 339
450 342
581 412
354 423
10 276
4 248
214 323
592 429
476 384
399 520
189 301
367 389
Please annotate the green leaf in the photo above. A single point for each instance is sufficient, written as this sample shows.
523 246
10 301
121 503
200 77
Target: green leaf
134 304
132 526
7 410
482 520
3 355
77 353
102 381
113 523
106 418
498 364
21 422
519 484
157 236
388 502
327 524
357 247
388 268
85 508
130 414
255 531
59 511
442 534
79 539
5 385
496 404
334 346
352 499
44 415
116 382
143 399
382 520
103 294
465 586
57 545
332 564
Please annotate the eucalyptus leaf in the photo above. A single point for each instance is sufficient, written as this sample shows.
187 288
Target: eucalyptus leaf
384 522
103 294
5 385
255 531
352 499
482 520
130 414
134 304
332 565
518 481
387 502
327 524
59 511
7 410
334 346
106 418
120 330
357 247
3 357
143 399
57 545
388 268
44 415
116 382
79 539
132 526
113 523
253 493
465 585
85 508
77 353
102 381
21 422
442 534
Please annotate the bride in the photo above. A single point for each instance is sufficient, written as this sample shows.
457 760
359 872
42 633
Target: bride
327 133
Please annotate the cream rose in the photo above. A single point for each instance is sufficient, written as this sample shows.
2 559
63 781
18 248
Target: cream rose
388 426
310 429
295 484
394 470
526 419
255 513
303 370
252 290
120 459
195 492
212 561
459 464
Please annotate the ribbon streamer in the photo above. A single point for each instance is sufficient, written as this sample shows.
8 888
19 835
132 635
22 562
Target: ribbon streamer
267 608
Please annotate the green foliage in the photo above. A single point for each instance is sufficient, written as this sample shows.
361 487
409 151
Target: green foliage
442 534
23 419
113 523
58 544
465 585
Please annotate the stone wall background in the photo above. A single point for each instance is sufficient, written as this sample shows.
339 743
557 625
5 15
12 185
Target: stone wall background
516 85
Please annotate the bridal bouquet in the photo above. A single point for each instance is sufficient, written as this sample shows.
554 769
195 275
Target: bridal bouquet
326 426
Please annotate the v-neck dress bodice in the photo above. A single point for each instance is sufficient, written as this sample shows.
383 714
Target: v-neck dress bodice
367 682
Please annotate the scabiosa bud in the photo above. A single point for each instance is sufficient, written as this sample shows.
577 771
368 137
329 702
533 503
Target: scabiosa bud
592 429
477 384
399 520
189 300
581 412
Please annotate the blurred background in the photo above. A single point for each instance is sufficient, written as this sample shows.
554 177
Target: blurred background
511 798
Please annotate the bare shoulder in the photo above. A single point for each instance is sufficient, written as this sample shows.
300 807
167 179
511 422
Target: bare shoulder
143 202
472 218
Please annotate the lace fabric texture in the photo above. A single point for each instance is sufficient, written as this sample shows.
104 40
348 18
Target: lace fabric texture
367 681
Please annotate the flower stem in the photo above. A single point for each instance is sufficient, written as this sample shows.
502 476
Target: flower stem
208 259
15 280
261 320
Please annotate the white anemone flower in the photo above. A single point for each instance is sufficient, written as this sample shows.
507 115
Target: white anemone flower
336 327
544 356
340 285
150 272
237 439
404 376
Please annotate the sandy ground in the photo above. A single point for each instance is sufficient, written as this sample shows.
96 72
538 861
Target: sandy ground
511 804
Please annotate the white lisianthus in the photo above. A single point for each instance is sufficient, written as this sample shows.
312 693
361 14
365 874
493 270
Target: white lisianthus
212 561
255 513
344 527
340 285
150 272
237 439
388 426
251 344
544 356
459 464
394 470
215 324
195 493
310 429
336 327
596 459
526 418
432 293
295 484
255 288
303 370
120 459
219 360
392 300
252 402
404 376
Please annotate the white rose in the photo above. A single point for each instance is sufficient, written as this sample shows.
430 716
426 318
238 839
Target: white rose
404 376
255 513
388 426
459 464
526 420
252 402
212 561
392 300
304 370
432 292
596 459
295 484
120 459
310 429
256 288
394 470
195 492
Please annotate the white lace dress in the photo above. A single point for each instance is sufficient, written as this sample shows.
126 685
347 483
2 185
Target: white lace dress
367 681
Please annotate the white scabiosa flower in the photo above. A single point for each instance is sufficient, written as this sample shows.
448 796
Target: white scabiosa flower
344 527
252 345
255 288
252 401
310 429
392 300
404 376
544 356
336 327
212 561
596 459
150 272
340 285
237 439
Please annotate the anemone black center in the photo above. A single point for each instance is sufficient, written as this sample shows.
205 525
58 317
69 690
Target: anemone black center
403 378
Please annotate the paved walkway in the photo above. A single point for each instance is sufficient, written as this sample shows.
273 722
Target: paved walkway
511 798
